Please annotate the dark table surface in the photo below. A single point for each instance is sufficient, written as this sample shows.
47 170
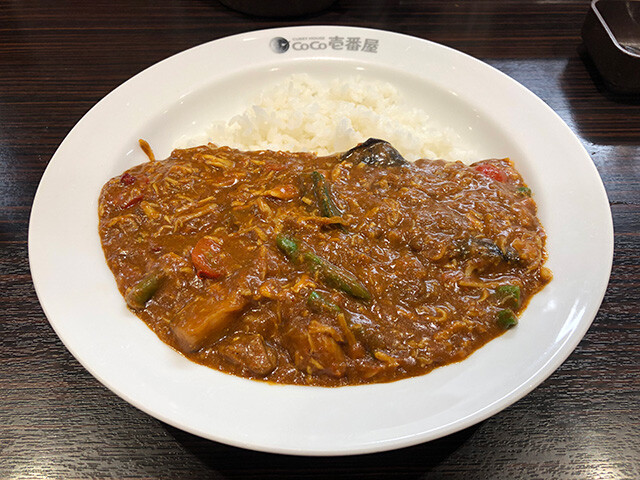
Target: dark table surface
57 59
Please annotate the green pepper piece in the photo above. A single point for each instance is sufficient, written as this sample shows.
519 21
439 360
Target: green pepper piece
507 319
509 295
525 191
140 293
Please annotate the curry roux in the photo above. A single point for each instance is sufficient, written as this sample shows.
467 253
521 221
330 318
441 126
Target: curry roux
347 269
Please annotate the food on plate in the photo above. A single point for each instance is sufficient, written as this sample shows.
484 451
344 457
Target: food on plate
351 268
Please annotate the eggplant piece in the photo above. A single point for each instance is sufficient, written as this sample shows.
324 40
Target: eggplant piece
488 248
374 152
484 248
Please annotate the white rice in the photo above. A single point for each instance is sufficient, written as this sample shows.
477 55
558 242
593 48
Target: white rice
305 114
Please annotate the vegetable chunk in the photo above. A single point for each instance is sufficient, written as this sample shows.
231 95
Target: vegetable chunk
140 293
333 275
205 319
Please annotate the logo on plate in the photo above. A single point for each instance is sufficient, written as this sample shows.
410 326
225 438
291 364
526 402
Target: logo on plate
279 44
352 44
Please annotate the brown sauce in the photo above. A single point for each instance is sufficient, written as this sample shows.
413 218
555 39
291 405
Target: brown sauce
348 269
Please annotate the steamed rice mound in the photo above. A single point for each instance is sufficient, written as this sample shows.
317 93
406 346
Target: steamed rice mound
305 114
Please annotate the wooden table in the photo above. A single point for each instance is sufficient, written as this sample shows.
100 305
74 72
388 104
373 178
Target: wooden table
57 59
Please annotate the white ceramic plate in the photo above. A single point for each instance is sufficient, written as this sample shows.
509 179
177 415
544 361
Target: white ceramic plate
181 96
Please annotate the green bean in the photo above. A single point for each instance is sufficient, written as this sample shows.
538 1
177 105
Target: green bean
140 293
333 275
288 246
336 276
322 192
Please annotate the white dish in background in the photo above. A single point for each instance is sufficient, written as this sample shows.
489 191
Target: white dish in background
181 96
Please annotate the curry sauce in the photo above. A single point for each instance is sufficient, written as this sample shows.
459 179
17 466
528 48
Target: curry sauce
347 269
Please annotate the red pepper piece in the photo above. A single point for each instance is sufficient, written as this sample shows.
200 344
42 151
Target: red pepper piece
132 200
133 190
208 259
127 179
491 171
